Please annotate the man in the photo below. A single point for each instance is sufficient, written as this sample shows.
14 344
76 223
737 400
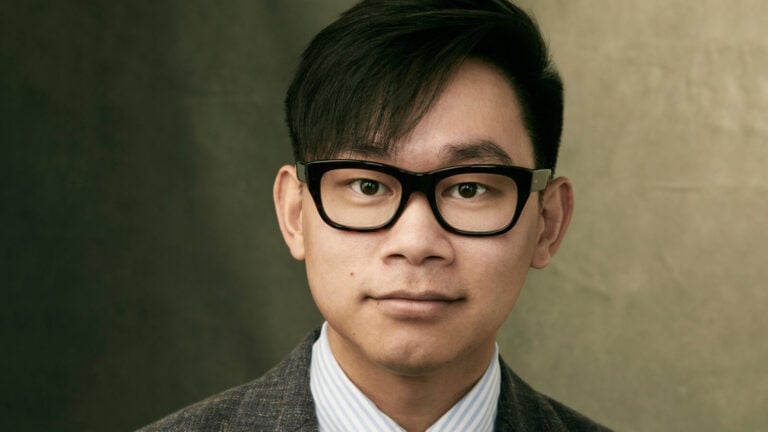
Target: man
425 133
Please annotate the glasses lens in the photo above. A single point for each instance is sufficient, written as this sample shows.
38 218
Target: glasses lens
359 198
477 202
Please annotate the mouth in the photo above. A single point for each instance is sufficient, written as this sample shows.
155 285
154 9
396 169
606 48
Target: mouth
425 296
415 305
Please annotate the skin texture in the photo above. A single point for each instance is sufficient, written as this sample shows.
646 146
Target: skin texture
413 310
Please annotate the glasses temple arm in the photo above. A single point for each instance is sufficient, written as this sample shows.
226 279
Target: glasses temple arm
540 179
301 171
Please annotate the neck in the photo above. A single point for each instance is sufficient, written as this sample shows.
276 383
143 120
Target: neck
415 403
415 400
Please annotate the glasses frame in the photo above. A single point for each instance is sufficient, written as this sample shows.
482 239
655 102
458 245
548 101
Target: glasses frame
527 181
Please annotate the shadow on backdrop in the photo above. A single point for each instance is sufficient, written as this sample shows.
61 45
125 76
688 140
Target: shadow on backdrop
140 252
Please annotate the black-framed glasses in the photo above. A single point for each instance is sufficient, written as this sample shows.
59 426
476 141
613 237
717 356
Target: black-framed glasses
474 200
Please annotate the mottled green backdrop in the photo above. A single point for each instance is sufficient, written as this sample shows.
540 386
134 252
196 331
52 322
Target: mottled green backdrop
142 268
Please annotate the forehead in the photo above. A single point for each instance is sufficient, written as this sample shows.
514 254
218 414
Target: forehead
476 119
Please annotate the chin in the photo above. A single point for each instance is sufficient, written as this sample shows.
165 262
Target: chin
411 368
420 361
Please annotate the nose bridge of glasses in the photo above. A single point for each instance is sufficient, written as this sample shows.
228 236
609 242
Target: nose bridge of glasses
416 182
422 183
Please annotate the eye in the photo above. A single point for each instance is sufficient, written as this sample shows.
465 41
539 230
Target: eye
368 187
466 190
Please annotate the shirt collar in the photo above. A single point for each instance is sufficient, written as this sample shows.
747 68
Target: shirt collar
341 406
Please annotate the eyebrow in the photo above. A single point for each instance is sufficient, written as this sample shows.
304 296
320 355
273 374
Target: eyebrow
475 151
479 151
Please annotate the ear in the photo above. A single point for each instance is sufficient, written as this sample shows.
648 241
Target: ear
287 194
555 216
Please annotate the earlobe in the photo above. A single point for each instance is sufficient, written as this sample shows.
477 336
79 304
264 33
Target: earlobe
556 212
287 195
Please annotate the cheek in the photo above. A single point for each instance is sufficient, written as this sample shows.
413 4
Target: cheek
507 255
334 262
330 287
507 277
322 262
500 265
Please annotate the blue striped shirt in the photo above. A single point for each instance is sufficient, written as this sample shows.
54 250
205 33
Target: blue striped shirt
341 407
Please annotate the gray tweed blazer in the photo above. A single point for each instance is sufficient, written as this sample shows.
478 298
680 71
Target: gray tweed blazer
282 401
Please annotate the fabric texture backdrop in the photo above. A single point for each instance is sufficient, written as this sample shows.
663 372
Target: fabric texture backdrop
142 268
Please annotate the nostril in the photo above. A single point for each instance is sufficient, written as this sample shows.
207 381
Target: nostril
418 242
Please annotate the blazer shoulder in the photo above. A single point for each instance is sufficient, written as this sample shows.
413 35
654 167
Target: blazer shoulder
525 409
216 413
279 400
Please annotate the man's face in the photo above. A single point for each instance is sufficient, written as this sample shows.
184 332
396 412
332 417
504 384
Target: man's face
414 298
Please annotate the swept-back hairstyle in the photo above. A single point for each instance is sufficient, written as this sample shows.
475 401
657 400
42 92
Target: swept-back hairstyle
366 80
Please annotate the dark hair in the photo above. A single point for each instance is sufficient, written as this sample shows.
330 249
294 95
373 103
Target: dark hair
366 80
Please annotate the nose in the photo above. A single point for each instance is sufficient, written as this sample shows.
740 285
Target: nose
417 237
